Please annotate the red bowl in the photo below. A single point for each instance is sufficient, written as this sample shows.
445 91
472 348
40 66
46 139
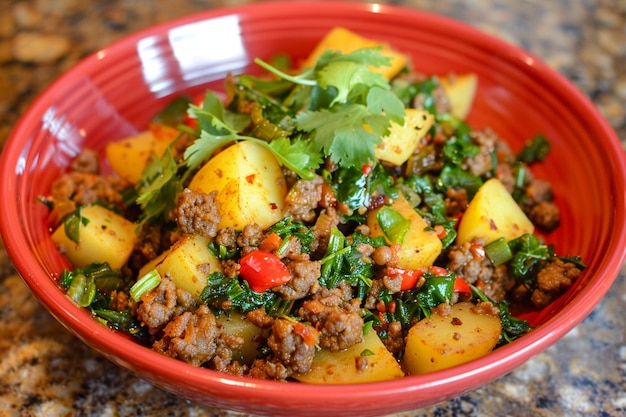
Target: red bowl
114 92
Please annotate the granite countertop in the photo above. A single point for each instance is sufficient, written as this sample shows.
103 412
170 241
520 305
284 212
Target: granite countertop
44 370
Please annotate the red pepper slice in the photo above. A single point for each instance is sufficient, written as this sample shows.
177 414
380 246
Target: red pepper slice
409 276
263 270
461 286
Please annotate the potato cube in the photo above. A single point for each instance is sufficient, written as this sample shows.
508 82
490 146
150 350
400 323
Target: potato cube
250 185
129 157
342 367
107 237
460 90
443 341
420 247
402 141
492 214
344 40
188 263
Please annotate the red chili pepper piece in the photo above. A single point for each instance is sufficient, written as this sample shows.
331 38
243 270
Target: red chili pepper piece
263 270
461 286
438 271
409 276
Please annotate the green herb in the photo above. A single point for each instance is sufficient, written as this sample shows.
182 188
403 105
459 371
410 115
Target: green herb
222 252
407 92
535 150
158 188
366 352
174 113
498 251
146 283
455 177
217 132
416 304
434 210
240 296
82 290
104 278
512 327
344 262
74 223
349 107
355 188
287 227
529 254
393 224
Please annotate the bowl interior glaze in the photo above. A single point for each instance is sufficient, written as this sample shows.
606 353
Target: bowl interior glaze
114 93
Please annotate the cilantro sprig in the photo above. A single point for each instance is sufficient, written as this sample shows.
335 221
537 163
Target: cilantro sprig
221 127
355 112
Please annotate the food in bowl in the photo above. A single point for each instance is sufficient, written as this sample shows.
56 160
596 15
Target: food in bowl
338 224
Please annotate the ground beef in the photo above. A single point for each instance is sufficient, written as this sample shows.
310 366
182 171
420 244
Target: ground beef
394 342
251 235
482 163
456 201
260 318
227 237
120 301
304 280
190 337
293 250
466 261
539 204
303 199
152 241
159 305
230 268
336 316
85 188
552 280
538 190
197 213
269 369
222 360
372 297
393 282
545 215
88 162
486 307
293 343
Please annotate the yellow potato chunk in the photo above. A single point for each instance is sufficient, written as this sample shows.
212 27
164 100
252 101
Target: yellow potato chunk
441 342
402 141
492 214
345 41
460 90
376 364
188 263
129 157
250 185
420 247
106 237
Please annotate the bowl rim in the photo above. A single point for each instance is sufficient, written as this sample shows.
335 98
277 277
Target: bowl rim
481 370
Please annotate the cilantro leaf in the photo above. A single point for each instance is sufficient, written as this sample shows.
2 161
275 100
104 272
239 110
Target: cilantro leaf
221 127
341 134
359 105
159 187
297 155
350 79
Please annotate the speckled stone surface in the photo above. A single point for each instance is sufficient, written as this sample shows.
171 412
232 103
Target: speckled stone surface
45 371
